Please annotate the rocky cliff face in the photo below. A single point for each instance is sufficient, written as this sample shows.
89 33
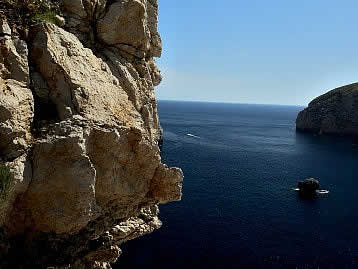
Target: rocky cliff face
79 133
335 112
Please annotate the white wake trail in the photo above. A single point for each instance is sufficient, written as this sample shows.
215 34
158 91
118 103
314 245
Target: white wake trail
191 135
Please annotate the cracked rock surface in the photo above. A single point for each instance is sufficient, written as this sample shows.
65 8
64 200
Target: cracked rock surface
79 131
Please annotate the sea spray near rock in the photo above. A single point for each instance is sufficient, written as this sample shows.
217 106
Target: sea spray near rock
309 188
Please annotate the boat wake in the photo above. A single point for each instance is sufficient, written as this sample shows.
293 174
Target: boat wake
191 135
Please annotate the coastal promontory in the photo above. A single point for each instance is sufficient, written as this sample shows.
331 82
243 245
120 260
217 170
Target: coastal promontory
80 163
333 113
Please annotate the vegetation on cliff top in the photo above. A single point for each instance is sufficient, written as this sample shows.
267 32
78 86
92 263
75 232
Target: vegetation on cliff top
22 13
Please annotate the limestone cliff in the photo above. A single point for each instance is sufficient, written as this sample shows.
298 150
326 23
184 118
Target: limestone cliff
335 112
79 133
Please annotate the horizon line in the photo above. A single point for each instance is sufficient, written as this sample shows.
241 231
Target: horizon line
226 102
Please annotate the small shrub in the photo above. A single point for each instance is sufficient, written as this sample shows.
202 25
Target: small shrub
5 180
48 16
21 14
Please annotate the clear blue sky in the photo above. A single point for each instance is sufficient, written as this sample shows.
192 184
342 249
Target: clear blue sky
251 51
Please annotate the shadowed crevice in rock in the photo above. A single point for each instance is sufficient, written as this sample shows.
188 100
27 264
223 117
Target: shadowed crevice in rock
92 243
45 111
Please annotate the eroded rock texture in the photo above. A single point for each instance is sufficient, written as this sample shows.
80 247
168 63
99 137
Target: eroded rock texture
79 131
335 112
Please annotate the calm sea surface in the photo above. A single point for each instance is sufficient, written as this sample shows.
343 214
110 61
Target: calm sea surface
238 210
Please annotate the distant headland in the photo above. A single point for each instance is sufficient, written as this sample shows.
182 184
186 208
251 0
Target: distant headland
333 113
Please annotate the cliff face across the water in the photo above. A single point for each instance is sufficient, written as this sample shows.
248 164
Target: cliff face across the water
335 113
80 166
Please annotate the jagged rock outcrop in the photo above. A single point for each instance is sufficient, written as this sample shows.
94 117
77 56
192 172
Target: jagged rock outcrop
335 112
16 102
308 187
80 133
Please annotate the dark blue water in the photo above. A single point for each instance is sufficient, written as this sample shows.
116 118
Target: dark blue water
238 209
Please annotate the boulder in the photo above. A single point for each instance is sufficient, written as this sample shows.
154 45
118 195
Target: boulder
308 186
131 25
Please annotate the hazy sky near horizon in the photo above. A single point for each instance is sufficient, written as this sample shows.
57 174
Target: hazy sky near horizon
257 51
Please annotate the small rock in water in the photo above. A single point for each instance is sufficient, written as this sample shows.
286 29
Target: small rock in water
308 186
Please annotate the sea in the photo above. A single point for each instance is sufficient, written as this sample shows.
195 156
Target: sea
239 210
